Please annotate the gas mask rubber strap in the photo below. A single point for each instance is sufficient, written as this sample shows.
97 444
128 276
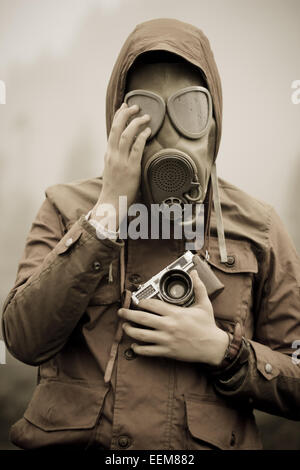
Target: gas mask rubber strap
218 211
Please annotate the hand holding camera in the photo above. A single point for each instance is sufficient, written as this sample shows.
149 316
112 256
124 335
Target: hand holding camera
170 330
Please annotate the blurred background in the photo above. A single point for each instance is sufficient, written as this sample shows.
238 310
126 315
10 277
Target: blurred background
56 57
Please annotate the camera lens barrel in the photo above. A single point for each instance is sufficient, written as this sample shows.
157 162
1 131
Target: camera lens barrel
176 287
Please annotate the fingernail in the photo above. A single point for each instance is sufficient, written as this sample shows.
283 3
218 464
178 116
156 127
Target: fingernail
134 107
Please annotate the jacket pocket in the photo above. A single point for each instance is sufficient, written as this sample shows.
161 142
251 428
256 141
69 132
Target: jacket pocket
57 406
211 424
235 301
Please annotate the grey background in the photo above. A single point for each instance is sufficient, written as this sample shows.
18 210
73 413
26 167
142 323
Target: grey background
56 57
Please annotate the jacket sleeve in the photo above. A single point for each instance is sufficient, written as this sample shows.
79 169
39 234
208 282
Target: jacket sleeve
56 278
270 381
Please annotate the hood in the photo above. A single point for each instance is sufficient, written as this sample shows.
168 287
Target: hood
173 36
191 44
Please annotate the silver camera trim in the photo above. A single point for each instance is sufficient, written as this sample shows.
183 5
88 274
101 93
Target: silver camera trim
151 287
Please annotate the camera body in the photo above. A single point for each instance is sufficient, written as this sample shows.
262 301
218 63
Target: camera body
174 285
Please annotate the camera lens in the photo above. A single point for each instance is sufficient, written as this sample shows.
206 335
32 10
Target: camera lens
176 287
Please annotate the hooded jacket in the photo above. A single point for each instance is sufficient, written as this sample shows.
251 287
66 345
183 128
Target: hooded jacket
61 314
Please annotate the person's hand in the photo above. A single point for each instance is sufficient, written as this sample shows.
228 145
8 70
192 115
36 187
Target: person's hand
122 171
187 334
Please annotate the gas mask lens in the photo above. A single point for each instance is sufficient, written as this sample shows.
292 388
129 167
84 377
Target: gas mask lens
190 109
149 103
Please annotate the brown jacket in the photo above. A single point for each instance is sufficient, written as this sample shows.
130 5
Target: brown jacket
61 313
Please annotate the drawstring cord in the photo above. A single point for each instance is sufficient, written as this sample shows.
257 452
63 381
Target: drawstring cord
122 269
218 211
119 331
205 249
110 274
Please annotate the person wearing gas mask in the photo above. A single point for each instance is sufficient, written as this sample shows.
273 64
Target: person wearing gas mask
157 374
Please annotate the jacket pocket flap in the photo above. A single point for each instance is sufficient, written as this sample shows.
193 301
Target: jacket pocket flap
239 252
221 426
60 405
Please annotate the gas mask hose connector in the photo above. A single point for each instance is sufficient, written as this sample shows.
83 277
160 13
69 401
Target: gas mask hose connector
194 198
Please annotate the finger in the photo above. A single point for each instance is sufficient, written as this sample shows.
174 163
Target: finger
150 350
142 318
119 124
199 288
132 130
123 105
138 146
157 306
147 336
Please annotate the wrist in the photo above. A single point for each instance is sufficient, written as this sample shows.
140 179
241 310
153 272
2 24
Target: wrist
220 346
234 344
101 229
234 373
106 211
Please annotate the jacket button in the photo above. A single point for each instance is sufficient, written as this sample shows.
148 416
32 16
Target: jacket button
268 368
233 439
124 442
230 260
69 242
97 266
130 354
135 278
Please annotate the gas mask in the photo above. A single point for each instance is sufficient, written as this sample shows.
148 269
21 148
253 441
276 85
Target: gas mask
179 153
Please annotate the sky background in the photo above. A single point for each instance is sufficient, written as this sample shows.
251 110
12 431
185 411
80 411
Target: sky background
56 57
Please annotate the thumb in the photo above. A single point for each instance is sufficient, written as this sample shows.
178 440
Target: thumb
199 288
